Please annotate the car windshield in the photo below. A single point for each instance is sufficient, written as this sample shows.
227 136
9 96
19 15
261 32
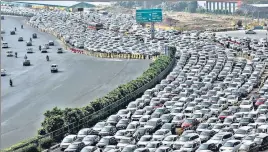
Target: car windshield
217 137
244 147
123 121
122 112
138 113
203 147
151 123
100 125
106 129
119 133
104 140
125 141
167 126
211 121
86 149
131 126
152 145
82 132
241 131
183 138
228 120
108 149
189 145
250 138
159 132
143 119
245 110
189 120
73 146
203 126
258 140
245 120
67 140
132 105
228 144
215 106
199 115
145 138
218 126
205 133
169 138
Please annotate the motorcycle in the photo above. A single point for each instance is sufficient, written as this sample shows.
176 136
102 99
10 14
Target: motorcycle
25 57
16 54
15 29
21 26
10 83
47 58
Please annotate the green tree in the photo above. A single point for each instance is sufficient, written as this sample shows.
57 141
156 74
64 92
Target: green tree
53 112
192 6
53 123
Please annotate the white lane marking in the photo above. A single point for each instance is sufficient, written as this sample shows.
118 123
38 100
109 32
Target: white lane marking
57 87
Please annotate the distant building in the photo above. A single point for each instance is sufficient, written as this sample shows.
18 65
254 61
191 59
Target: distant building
226 5
69 5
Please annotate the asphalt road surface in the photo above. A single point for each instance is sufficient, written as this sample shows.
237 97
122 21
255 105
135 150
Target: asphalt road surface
241 34
80 80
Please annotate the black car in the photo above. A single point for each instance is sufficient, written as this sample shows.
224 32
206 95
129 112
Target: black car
169 126
140 132
122 124
51 43
208 146
108 140
91 140
98 127
12 32
246 120
206 135
108 131
262 141
75 146
34 35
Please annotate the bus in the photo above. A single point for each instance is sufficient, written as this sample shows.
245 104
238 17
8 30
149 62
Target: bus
95 26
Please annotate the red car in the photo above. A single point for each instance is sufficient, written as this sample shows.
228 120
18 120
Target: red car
260 101
189 123
224 114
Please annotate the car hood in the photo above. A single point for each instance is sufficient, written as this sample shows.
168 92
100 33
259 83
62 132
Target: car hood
122 144
143 143
158 136
87 142
152 149
64 145
214 141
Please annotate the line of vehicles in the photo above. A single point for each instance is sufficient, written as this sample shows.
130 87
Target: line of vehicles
206 104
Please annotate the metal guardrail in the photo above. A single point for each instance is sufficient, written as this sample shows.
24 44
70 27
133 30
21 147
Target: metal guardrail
90 120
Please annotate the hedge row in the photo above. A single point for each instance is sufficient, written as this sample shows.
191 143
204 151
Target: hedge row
58 118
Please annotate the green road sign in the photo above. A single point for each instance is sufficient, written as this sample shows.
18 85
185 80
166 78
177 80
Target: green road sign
149 15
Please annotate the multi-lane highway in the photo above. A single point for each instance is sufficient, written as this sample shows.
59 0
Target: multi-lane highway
80 80
241 34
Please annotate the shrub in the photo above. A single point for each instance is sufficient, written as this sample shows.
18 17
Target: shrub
46 143
30 148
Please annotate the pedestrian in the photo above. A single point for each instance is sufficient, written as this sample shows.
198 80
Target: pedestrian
2 38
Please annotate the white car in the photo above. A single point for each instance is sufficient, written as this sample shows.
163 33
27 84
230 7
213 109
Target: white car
4 45
3 72
67 141
43 50
250 32
231 145
29 50
54 68
3 31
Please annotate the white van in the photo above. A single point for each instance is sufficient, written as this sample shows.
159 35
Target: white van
4 45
